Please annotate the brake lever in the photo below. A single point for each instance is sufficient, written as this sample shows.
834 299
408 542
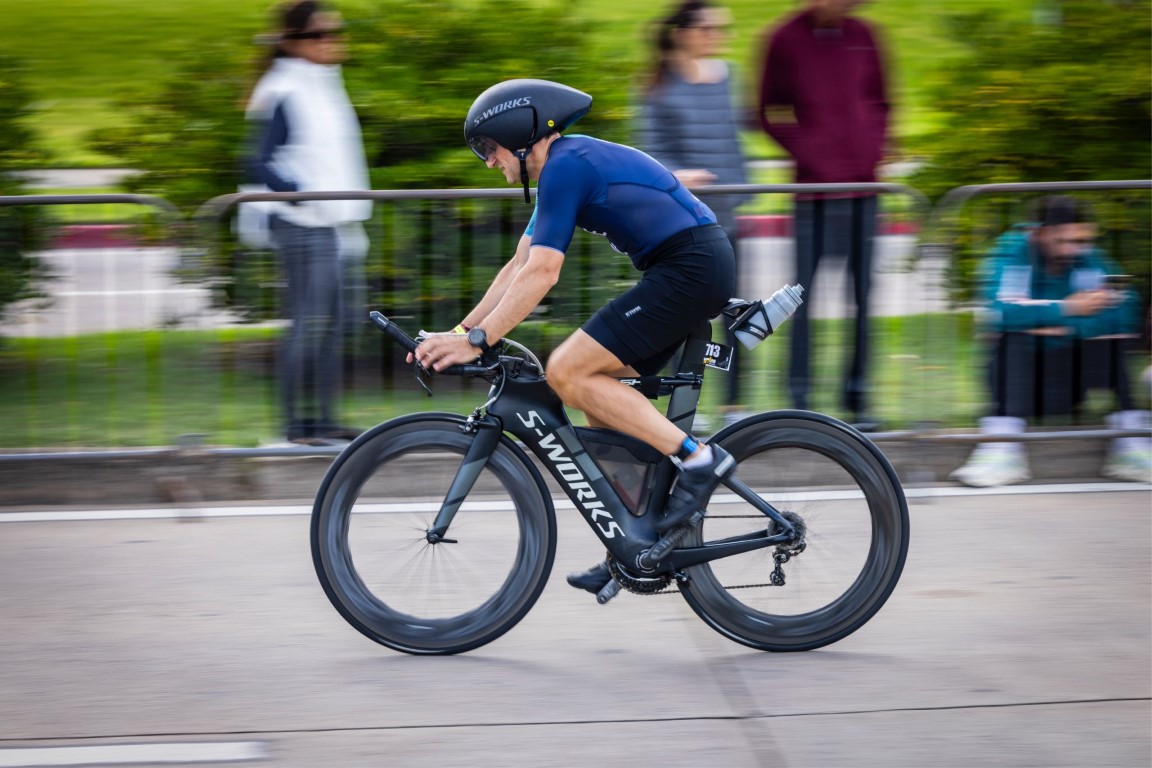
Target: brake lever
423 375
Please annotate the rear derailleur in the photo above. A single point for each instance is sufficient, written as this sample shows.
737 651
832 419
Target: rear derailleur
788 550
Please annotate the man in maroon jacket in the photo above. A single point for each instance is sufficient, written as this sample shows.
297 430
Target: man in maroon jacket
823 99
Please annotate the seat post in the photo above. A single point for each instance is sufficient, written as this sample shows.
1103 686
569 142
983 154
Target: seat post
683 401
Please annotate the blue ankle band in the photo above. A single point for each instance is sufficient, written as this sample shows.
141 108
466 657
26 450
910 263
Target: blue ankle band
687 448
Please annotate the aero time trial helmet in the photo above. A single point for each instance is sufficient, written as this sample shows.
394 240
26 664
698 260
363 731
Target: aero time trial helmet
517 113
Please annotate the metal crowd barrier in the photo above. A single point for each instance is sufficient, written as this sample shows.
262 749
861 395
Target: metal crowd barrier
432 252
105 257
965 221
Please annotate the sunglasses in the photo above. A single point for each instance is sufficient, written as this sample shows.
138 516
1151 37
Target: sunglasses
316 34
483 147
1082 242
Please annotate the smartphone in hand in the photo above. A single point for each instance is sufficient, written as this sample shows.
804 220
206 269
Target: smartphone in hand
1117 282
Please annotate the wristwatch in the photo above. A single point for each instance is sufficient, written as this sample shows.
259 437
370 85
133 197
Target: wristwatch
477 338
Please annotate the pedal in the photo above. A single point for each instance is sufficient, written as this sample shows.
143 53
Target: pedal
611 589
662 548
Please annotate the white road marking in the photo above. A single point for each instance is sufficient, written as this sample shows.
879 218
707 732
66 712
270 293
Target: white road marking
175 512
134 754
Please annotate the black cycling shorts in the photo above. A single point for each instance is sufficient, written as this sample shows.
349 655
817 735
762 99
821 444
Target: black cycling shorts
692 277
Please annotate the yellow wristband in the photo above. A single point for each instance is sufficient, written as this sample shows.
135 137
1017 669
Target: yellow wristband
460 329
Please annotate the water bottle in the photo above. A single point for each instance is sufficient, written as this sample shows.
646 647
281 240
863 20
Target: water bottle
763 318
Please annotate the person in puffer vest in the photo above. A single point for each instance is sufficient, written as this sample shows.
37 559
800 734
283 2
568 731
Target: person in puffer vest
305 137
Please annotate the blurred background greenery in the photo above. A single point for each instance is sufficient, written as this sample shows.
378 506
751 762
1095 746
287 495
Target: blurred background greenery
984 91
83 57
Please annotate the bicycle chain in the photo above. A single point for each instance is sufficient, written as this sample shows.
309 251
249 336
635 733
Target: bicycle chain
782 555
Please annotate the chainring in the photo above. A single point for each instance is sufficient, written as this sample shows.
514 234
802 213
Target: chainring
640 585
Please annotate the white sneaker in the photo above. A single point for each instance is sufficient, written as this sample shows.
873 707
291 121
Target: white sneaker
1134 466
987 468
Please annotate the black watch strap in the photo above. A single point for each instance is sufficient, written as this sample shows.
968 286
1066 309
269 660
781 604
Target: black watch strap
477 338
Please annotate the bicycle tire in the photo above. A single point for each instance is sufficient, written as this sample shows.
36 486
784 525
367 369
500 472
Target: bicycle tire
373 509
856 517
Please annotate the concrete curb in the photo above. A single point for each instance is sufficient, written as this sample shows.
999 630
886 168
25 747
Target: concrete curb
190 477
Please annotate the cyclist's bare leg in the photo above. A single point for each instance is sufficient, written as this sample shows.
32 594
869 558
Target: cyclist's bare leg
623 373
580 371
583 373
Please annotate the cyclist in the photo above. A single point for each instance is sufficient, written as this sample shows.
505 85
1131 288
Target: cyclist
686 260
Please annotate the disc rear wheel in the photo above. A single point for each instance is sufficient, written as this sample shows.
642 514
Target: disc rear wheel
846 498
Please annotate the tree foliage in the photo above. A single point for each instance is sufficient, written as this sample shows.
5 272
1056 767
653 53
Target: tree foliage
418 66
185 135
413 71
1066 98
20 272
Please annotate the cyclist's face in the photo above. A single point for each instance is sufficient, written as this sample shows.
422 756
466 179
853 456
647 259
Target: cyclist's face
507 162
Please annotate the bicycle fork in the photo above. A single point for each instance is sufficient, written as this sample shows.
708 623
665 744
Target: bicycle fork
486 436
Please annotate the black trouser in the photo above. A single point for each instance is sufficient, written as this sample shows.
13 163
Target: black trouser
835 228
311 362
1033 376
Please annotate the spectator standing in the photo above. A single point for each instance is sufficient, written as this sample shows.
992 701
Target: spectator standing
688 121
306 138
823 98
1047 300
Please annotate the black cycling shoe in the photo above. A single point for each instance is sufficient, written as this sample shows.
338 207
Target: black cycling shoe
693 488
592 580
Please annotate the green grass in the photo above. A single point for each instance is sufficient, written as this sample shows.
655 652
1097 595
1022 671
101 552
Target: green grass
148 388
82 54
133 389
94 213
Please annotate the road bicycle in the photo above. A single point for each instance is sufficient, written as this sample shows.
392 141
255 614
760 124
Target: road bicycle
435 533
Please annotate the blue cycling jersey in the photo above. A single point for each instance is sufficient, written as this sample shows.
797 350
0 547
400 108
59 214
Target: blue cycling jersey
611 190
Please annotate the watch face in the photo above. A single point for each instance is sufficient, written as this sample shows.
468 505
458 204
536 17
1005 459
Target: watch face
477 338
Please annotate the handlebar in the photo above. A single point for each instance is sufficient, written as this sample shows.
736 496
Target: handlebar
393 331
409 344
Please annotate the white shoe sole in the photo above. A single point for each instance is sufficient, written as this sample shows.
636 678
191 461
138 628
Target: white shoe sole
961 476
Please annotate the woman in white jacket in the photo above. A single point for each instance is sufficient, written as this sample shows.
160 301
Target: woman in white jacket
306 138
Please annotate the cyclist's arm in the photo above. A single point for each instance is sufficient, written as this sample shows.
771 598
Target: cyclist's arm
528 286
525 287
564 185
500 284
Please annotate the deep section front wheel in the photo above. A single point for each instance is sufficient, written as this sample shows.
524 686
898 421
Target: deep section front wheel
372 553
847 497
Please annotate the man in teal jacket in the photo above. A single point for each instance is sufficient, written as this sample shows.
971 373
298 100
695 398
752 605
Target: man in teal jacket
1046 290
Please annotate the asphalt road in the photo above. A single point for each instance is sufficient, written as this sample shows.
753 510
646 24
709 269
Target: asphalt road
1020 635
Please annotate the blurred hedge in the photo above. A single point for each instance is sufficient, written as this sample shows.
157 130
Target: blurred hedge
20 227
1066 98
413 71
